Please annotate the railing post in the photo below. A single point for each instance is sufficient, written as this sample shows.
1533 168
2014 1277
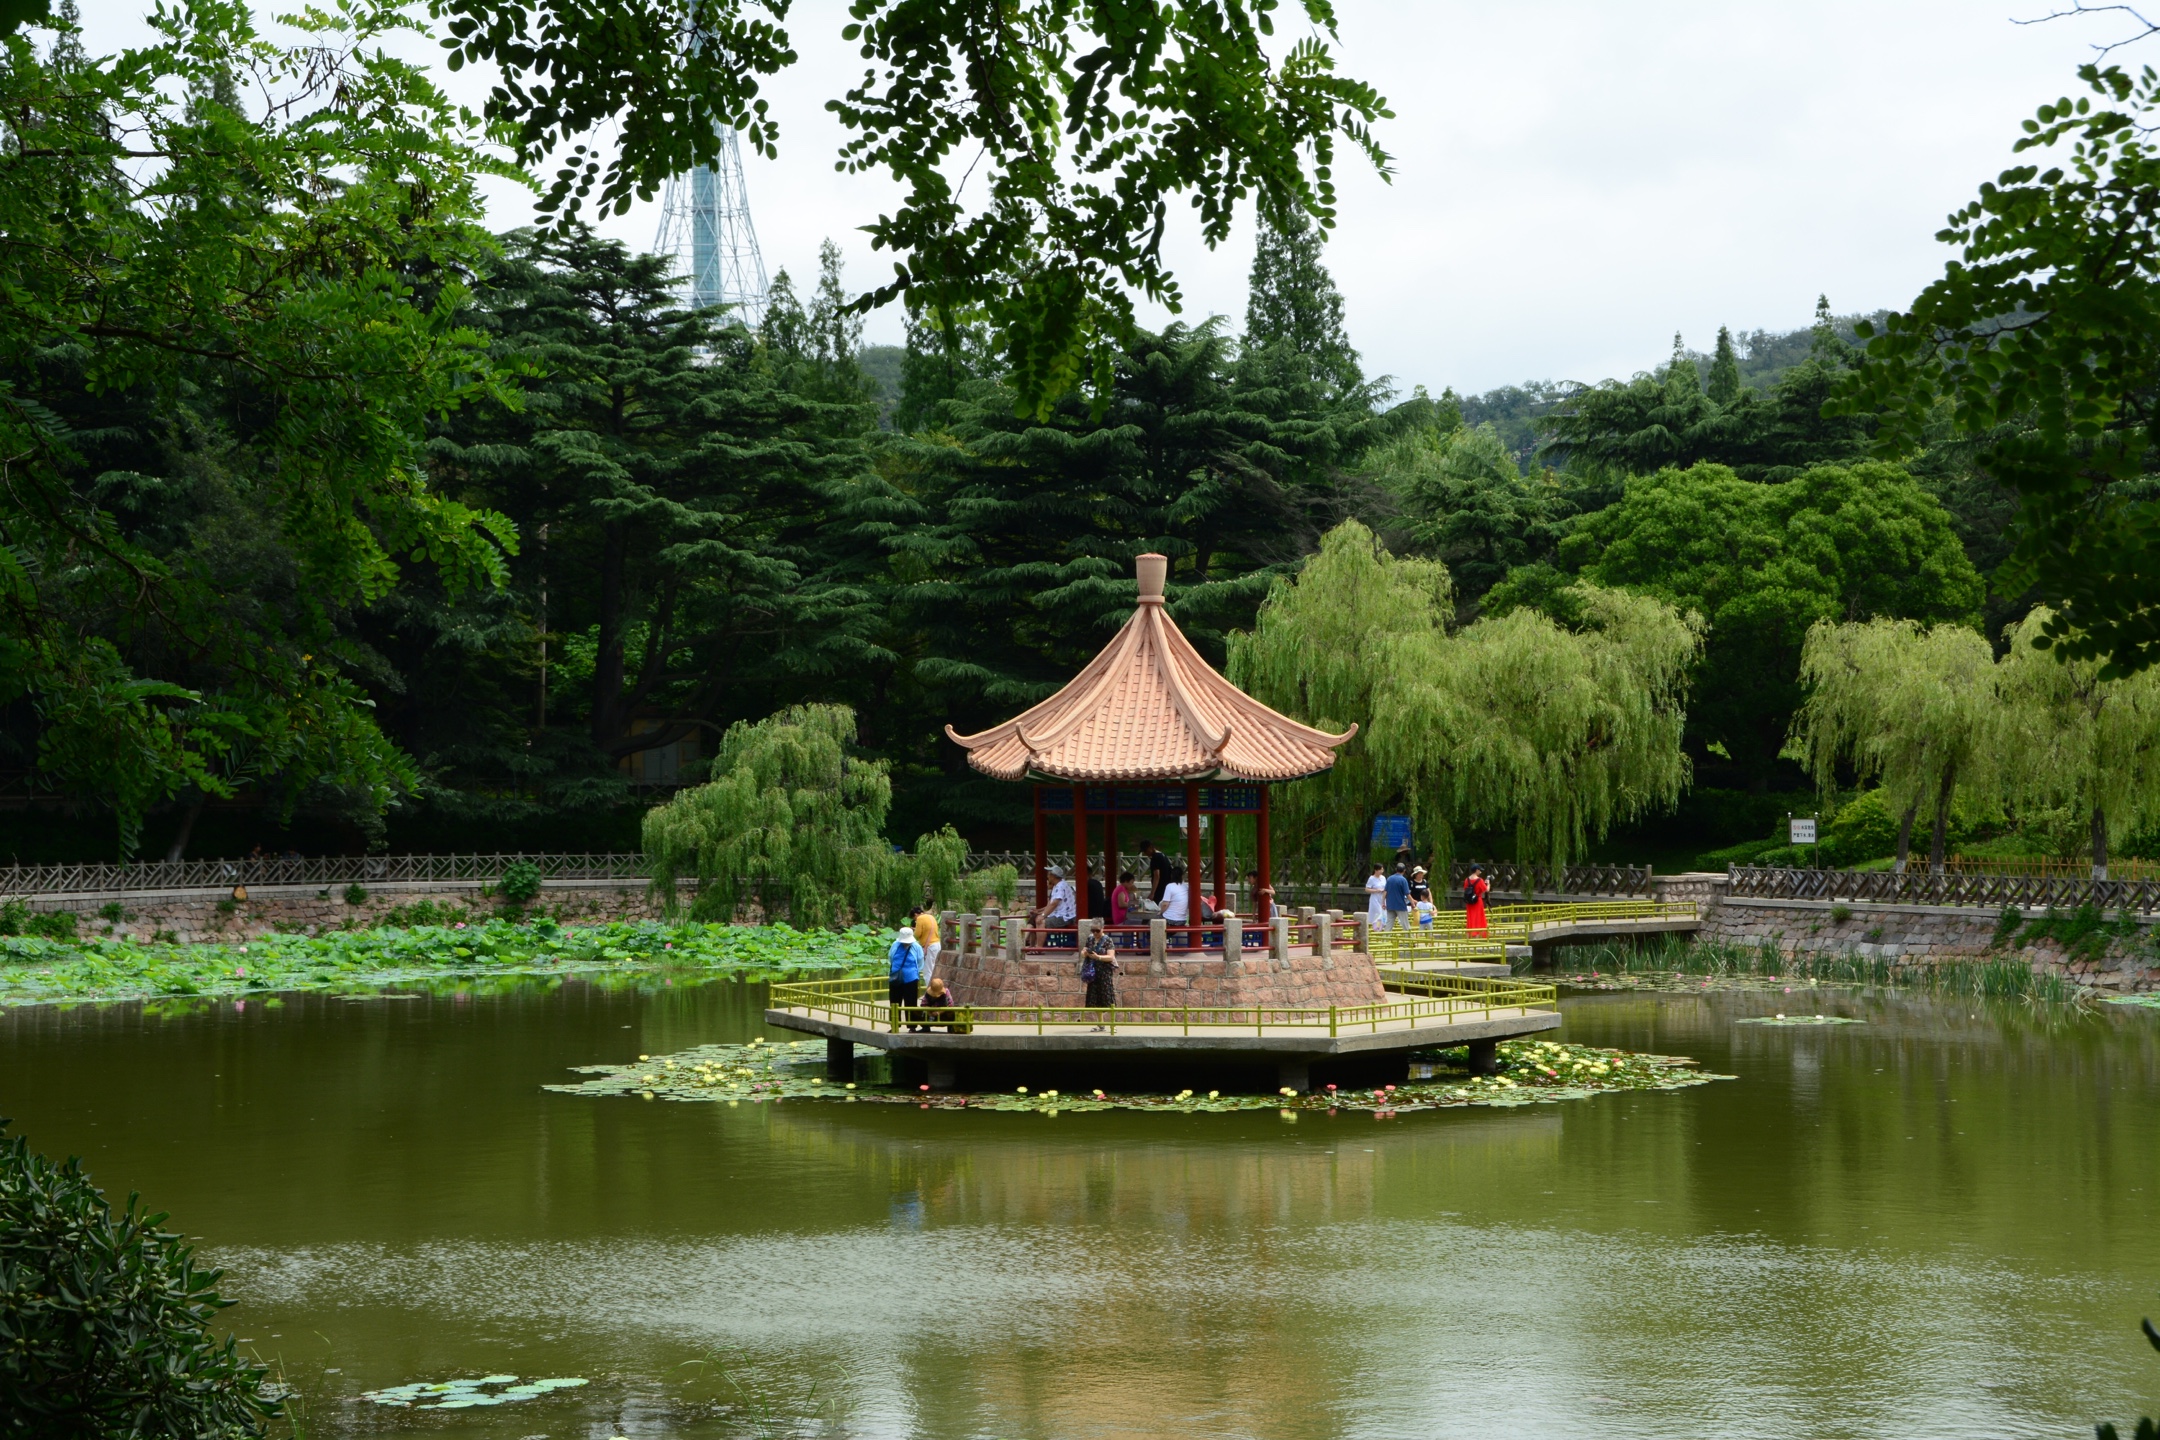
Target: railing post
1015 940
1324 942
1279 939
1364 933
963 931
1158 946
1233 945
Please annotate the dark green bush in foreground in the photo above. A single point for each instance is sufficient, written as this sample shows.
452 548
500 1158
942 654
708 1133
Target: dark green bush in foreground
105 1320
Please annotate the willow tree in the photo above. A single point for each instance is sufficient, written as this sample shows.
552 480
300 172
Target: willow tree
1556 731
1316 652
1517 721
2078 741
1912 708
787 806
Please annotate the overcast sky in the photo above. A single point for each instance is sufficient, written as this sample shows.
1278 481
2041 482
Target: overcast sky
1574 180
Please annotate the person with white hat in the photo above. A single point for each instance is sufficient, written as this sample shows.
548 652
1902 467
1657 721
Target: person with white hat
904 972
1063 909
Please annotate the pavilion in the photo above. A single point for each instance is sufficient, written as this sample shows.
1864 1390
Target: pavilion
1150 728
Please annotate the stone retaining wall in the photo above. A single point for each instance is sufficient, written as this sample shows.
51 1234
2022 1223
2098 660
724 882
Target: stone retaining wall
199 915
990 975
1904 935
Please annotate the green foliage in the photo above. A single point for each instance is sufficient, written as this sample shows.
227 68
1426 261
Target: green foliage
1292 304
45 971
1914 708
214 372
1517 721
1669 418
789 810
422 913
1467 503
520 883
1761 564
356 894
107 1318
1076 124
2079 740
2041 346
978 888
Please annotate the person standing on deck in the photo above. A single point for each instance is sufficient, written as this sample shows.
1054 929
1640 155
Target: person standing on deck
1098 967
1376 898
1158 865
903 965
1397 904
1421 898
1474 889
926 935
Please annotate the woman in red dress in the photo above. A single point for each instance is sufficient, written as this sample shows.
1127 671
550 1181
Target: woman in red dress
1474 889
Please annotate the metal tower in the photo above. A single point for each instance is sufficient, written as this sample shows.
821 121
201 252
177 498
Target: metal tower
705 225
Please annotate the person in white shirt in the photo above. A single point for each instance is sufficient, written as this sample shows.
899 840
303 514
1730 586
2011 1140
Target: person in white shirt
1063 908
1174 902
1376 898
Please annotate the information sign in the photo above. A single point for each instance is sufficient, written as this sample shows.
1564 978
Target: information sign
1391 831
1803 830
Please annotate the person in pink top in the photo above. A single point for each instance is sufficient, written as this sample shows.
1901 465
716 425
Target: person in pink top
1122 898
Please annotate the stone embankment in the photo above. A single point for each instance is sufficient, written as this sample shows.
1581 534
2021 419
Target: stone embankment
215 915
1907 935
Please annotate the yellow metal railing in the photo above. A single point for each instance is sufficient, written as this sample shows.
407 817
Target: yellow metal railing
863 1002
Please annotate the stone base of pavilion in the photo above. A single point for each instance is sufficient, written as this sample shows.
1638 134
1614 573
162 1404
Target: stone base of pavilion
1162 1051
1299 1010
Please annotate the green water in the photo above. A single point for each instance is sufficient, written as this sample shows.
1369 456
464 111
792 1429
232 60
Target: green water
1939 1223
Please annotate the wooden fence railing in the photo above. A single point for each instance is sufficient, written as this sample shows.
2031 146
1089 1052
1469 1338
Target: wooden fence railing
318 870
1991 892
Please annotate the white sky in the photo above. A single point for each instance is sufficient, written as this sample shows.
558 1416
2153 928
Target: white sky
1575 179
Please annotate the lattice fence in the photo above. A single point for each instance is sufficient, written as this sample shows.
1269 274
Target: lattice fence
1991 892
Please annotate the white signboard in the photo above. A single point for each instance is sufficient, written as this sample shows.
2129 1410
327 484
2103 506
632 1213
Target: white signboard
1803 831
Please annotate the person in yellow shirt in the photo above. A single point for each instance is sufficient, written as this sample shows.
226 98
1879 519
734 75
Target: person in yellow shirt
926 935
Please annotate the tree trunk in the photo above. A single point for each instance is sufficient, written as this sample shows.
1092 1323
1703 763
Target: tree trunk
178 849
1904 834
1942 818
608 661
2099 842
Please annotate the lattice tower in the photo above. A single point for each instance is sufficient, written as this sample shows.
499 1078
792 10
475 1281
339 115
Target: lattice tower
705 225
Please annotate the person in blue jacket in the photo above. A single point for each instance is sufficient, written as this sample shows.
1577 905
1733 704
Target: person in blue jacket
904 970
1398 899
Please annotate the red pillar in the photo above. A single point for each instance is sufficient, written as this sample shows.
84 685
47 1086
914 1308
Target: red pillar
1042 875
1080 855
1222 883
1264 891
1192 866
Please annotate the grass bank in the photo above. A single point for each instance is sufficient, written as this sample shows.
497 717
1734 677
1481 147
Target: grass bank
37 971
2005 978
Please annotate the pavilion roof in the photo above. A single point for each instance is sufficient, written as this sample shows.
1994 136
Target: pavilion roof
1150 709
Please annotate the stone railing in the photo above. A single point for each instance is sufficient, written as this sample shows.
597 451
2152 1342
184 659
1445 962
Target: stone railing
1917 887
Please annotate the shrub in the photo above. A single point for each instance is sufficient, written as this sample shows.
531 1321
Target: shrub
107 1318
423 912
14 917
356 894
520 884
52 924
974 890
112 912
1839 914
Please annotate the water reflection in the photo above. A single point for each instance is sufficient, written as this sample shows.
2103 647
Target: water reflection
1934 1223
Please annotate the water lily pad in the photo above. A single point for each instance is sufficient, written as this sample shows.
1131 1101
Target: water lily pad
467 1394
1535 1072
1799 1020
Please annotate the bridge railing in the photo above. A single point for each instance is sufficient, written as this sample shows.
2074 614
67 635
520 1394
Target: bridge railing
863 1004
1992 892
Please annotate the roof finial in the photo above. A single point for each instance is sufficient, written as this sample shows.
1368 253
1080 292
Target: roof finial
1152 568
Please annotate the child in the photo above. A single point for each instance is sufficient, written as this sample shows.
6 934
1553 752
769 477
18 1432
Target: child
937 1004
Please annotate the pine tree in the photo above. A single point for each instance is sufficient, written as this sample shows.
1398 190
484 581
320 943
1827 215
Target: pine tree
1295 306
1725 370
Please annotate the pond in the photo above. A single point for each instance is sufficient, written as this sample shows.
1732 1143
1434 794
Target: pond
1938 1222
